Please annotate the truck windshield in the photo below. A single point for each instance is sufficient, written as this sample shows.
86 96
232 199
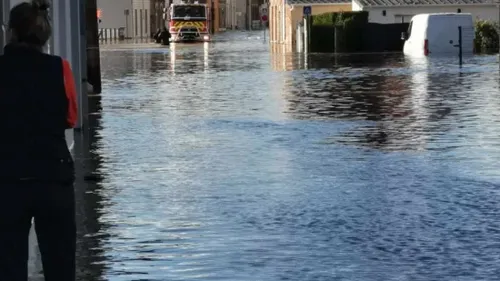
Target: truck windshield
188 11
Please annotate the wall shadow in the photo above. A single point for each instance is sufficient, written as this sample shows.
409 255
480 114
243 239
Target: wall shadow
91 231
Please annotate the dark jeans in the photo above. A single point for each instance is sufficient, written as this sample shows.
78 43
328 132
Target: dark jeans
53 207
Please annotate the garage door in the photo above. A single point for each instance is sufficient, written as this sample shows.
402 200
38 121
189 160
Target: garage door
402 18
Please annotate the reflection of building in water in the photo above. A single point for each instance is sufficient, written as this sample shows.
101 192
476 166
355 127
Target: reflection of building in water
401 100
173 58
282 60
116 64
206 49
418 106
142 60
284 16
202 62
159 62
278 58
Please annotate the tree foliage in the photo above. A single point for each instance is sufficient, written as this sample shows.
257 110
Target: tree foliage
487 33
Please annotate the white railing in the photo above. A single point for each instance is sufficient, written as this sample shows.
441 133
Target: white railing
111 34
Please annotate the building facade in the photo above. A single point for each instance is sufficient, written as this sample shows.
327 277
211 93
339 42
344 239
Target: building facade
241 14
285 15
141 18
156 16
397 11
134 16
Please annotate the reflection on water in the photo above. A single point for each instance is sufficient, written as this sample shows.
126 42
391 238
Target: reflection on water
226 161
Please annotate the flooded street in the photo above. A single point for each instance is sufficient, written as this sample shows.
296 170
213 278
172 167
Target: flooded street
228 162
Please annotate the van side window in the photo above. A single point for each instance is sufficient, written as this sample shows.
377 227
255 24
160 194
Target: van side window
409 29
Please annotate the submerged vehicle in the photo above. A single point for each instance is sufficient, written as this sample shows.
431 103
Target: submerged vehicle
438 34
188 22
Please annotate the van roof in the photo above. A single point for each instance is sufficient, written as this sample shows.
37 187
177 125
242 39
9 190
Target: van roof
444 14
425 17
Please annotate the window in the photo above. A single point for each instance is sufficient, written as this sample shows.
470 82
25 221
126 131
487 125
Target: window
402 18
141 22
408 33
136 23
222 17
146 21
284 25
189 11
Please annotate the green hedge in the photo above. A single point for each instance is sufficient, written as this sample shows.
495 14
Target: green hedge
343 19
323 20
486 37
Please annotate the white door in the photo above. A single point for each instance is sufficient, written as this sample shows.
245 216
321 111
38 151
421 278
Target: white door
414 45
443 33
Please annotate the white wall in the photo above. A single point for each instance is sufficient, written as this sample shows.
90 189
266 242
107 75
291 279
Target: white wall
231 14
478 12
241 11
113 16
141 18
356 6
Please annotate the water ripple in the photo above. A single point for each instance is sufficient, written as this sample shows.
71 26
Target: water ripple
226 161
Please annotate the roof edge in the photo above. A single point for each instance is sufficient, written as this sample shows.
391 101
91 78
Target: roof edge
357 2
321 4
428 5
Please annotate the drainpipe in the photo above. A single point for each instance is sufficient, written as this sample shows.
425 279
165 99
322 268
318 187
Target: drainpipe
246 15
283 24
141 18
250 19
233 14
230 15
212 17
77 54
93 61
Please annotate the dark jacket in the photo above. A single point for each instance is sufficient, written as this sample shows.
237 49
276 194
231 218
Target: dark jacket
165 37
35 111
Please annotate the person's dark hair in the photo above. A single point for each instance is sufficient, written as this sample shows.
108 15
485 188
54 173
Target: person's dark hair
29 23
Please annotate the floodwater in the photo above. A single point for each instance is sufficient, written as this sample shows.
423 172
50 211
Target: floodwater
228 162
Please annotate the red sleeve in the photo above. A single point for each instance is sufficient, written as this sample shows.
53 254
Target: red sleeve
70 87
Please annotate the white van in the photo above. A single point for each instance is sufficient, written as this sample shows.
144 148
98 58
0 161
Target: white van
437 34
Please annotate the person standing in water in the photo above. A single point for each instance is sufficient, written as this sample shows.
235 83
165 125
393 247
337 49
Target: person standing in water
165 37
37 105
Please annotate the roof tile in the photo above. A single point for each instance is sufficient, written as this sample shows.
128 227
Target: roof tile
312 2
422 2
